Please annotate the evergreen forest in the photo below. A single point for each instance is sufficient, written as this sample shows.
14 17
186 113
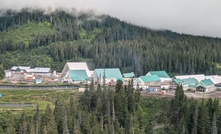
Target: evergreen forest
119 110
39 39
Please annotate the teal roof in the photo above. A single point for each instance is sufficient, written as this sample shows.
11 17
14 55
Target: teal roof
161 74
177 81
192 85
109 73
38 81
206 82
129 75
191 82
78 75
150 78
137 80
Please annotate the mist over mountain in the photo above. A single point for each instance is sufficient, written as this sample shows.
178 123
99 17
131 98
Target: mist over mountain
198 17
50 39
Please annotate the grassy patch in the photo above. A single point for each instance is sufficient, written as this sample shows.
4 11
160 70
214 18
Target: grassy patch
39 97
25 33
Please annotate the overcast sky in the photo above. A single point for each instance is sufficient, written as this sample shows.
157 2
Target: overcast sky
198 17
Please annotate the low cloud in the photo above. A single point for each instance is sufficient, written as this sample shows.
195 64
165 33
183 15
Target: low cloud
198 17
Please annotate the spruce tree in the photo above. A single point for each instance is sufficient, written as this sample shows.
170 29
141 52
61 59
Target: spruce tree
2 72
203 126
48 122
58 112
71 114
37 121
64 122
10 126
31 128
219 122
195 120
23 129
177 108
214 127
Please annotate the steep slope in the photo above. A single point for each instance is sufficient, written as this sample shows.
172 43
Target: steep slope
39 39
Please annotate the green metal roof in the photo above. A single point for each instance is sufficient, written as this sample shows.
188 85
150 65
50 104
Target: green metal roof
38 81
78 75
161 74
129 75
177 81
150 78
109 73
189 81
137 80
206 82
194 85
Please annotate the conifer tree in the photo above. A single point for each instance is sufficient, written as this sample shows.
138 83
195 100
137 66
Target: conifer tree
23 129
195 120
95 127
99 91
121 104
85 126
10 126
37 121
2 72
71 114
130 94
76 127
64 122
104 80
48 122
31 128
203 126
214 127
219 122
58 112
178 107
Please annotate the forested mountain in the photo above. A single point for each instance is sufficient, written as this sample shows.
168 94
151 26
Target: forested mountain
36 38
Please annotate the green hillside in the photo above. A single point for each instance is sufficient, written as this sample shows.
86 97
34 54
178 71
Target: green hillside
26 32
38 39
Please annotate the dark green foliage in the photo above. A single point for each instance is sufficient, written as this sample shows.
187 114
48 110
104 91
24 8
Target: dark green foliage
48 122
71 113
120 111
23 124
178 105
58 114
1 130
203 119
214 127
10 126
195 120
64 123
37 121
104 42
2 72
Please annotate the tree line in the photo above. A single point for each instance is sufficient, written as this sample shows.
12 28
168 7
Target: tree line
119 110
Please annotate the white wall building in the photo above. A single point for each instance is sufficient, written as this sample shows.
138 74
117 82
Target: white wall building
74 67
